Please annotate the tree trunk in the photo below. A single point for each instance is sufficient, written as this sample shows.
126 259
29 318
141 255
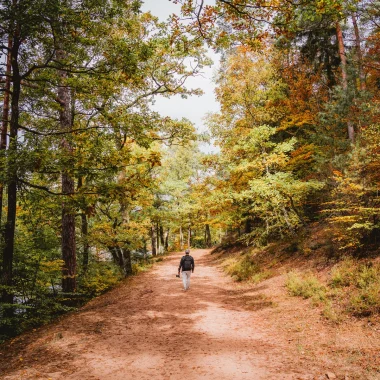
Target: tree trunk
167 240
127 262
86 246
68 213
84 233
189 237
68 238
359 53
342 55
10 225
180 238
158 238
162 237
153 240
5 121
117 256
208 236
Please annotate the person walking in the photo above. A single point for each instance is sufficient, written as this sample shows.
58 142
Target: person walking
187 266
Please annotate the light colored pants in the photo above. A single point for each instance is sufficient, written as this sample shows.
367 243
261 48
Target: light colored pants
186 279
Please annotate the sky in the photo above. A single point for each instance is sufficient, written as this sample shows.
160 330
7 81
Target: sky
193 108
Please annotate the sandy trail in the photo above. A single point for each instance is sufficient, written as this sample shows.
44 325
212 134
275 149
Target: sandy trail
149 328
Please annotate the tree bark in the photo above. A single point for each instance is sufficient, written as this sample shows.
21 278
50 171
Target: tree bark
5 121
10 225
162 237
359 53
189 237
180 238
167 240
127 262
68 213
208 236
153 240
86 246
158 238
342 55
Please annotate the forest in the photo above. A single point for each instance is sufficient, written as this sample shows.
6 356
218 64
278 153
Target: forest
95 185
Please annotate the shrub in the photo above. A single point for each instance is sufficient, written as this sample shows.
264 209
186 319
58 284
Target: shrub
363 280
308 287
343 274
100 277
366 301
243 268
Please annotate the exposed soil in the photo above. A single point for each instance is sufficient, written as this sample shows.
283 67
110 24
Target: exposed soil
149 328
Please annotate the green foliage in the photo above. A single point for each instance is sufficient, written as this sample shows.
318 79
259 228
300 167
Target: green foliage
354 288
245 268
100 277
366 301
241 269
343 274
307 286
362 285
354 211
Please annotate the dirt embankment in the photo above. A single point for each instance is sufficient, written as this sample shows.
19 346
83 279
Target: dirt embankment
149 328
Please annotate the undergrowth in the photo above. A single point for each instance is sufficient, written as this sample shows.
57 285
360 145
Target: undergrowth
47 301
353 288
245 268
307 286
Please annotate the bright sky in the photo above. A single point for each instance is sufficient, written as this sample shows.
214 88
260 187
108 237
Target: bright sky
193 108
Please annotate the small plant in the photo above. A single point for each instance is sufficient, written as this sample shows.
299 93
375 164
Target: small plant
100 277
330 312
261 276
343 274
140 267
242 268
308 287
366 301
362 281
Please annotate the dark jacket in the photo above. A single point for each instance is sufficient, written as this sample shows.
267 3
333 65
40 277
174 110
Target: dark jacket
182 263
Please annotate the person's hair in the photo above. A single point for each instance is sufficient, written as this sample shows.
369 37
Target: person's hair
187 251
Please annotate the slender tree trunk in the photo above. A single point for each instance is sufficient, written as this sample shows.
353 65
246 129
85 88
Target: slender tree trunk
10 225
359 53
158 238
86 246
189 237
68 238
342 55
158 245
84 233
5 121
162 237
167 240
68 213
127 262
153 240
180 238
116 255
208 236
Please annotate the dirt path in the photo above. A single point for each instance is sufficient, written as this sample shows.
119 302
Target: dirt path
149 328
